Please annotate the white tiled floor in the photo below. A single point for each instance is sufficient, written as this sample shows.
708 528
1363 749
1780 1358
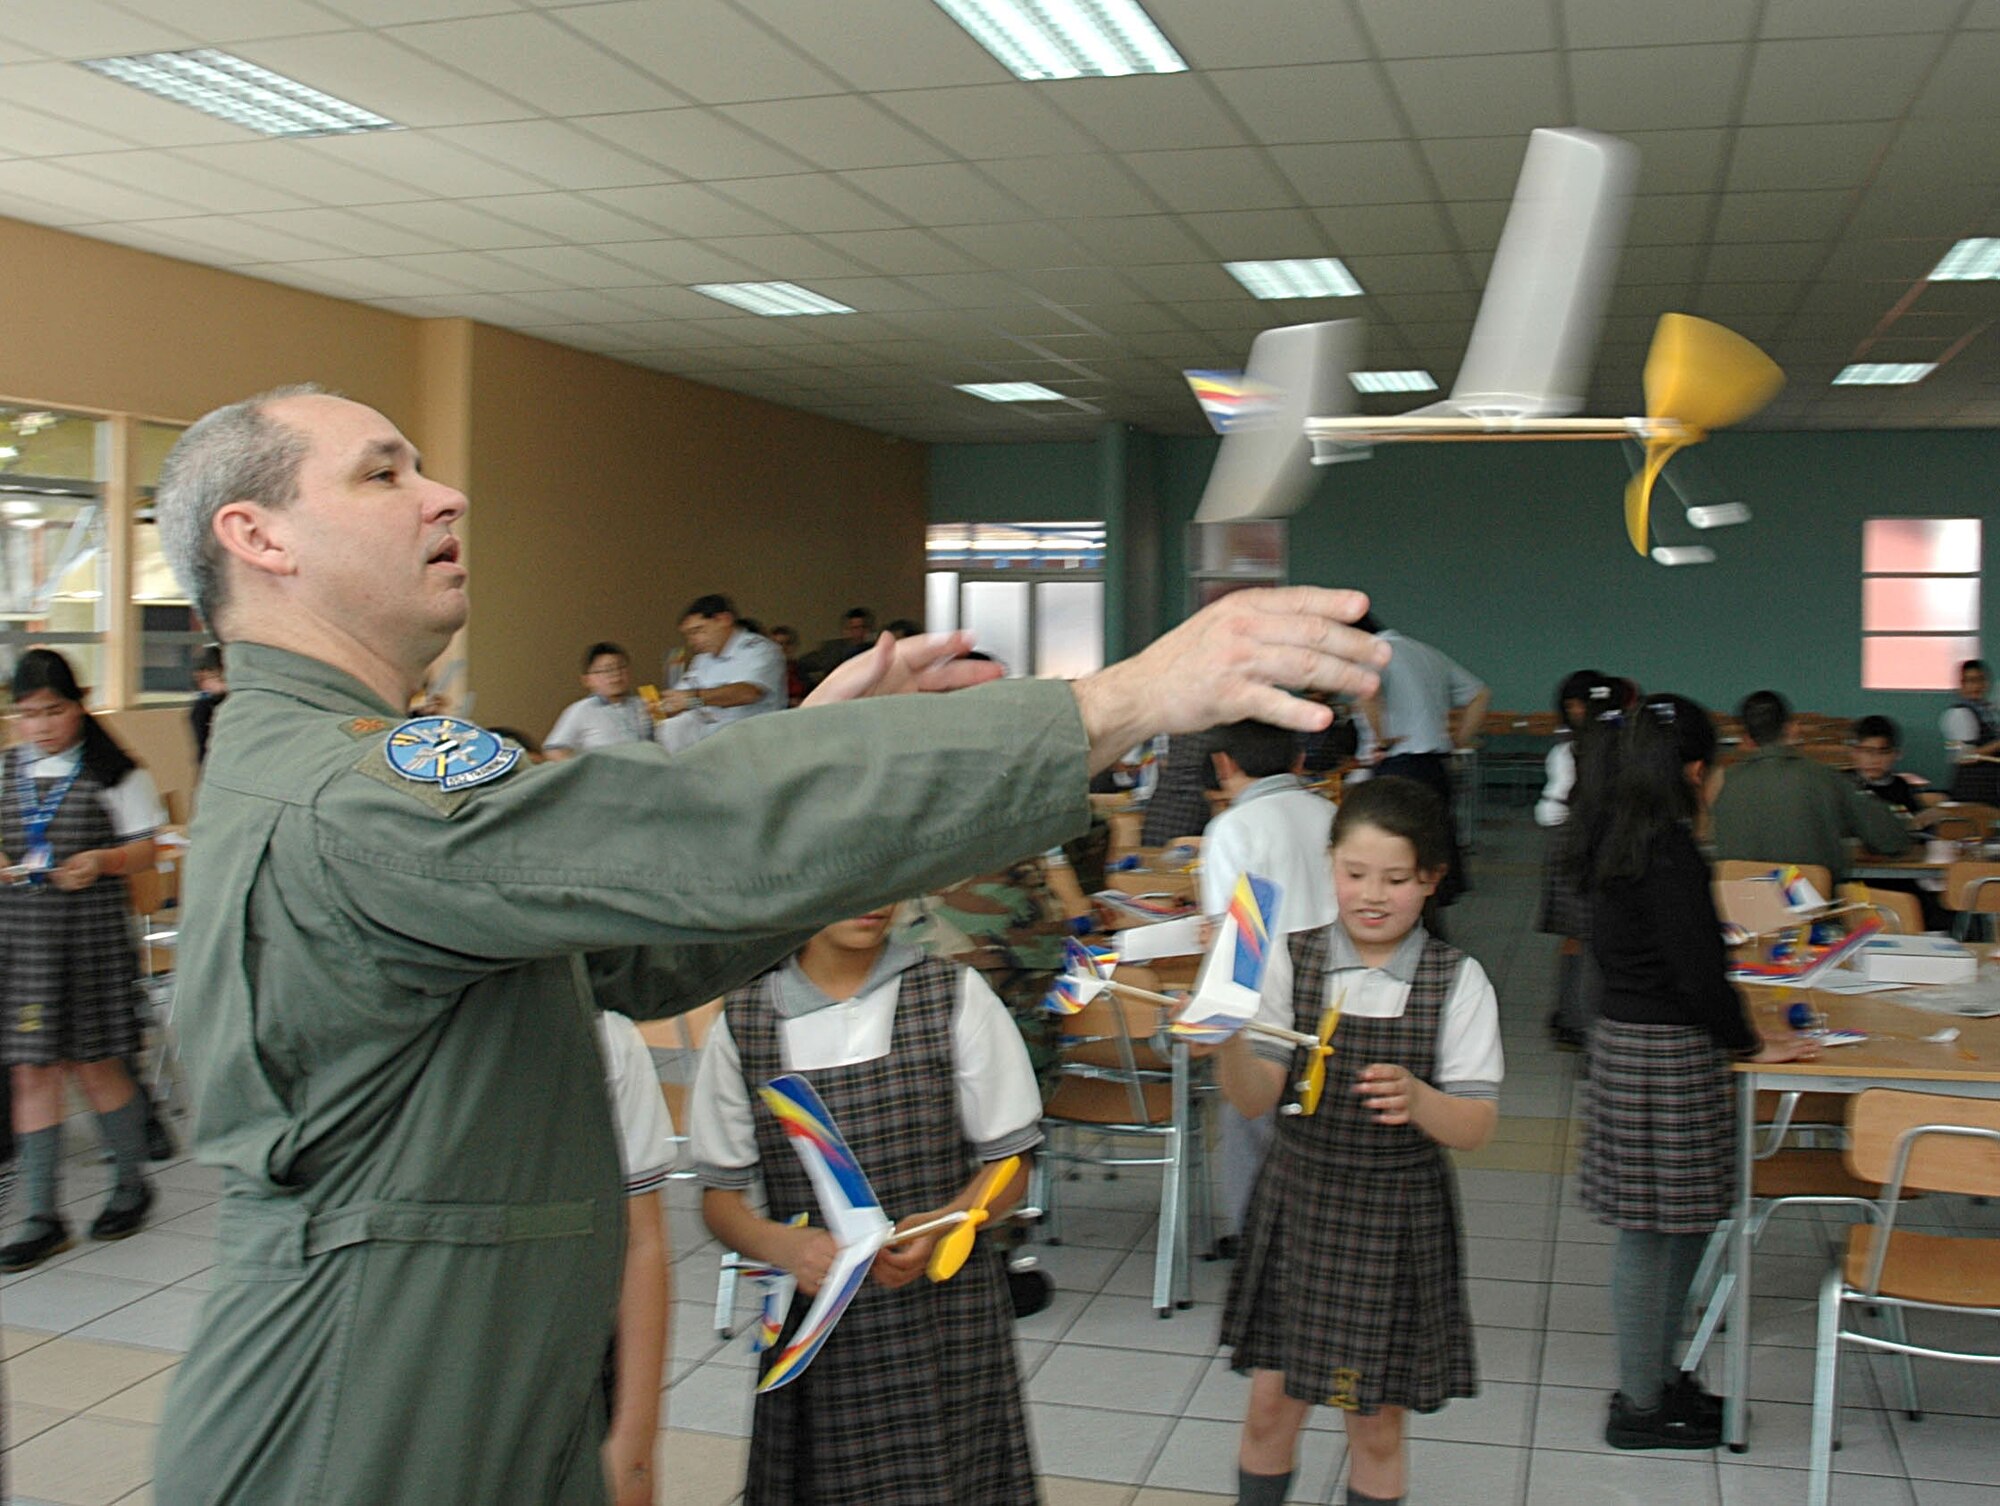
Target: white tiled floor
1127 1409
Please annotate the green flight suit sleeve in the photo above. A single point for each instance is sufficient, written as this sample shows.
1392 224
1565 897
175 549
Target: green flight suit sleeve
771 829
654 982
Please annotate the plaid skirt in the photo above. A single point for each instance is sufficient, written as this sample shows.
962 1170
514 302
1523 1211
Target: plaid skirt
1353 1286
1564 910
69 976
1659 1129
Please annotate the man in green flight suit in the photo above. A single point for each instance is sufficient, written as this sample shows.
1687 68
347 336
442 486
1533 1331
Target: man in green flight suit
382 1000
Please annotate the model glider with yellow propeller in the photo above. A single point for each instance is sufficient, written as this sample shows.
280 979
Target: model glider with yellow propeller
854 1217
1526 366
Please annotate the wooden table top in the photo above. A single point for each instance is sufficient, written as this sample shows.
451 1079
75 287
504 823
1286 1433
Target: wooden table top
1895 1048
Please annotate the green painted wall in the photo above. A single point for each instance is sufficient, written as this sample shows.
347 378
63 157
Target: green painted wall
1014 483
1512 558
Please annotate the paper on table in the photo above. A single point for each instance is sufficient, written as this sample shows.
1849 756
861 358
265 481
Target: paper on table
1169 938
1977 1000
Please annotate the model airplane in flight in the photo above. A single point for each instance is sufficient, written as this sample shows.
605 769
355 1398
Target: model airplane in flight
1526 367
860 1229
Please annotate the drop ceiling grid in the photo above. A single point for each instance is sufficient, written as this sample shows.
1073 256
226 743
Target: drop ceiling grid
574 166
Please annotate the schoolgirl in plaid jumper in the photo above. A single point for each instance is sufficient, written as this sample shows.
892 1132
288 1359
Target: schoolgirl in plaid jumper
76 816
1349 1289
1659 1149
914 1400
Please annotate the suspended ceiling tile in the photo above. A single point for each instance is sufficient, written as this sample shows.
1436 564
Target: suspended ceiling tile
76 94
1075 187
30 133
677 302
1136 240
1782 214
1679 161
837 131
1960 297
341 231
1259 234
422 161
1659 264
389 12
1239 36
90 29
945 193
1671 219
471 269
1842 298
1641 23
229 241
969 290
293 167
1148 111
1017 246
1757 261
706 50
14 52
1132 318
201 188
587 306
1476 222
1888 213
1186 284
574 267
876 295
990 120
378 74
81 199
689 209
1315 102
1409 274
898 252
789 258
1402 30
1948 159
555 152
384 276
222 22
810 203
1226 178
1882 260
1826 155
604 339
564 217
881 44
1479 96
139 236
1078 286
453 224
312 277
1961 87
1858 18
529 57
1860 78
1356 172
1475 167
1657 88
694 143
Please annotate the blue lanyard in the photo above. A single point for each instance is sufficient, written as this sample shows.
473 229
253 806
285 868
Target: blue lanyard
38 811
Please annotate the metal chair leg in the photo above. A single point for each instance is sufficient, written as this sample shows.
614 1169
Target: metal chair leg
1826 1397
1899 1331
725 1296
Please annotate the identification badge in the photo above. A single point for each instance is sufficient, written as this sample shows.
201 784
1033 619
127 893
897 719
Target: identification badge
447 752
38 859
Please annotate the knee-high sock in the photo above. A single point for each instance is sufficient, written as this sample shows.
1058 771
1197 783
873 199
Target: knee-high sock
124 1130
1261 1490
38 1151
1638 1288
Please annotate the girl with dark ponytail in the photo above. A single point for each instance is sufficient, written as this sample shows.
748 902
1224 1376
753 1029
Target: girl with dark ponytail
76 816
1659 1150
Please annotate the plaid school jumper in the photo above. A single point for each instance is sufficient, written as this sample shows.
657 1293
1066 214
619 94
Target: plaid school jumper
69 971
1351 1280
914 1400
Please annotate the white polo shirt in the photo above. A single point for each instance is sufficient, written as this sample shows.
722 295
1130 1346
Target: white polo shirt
132 806
646 1146
1277 829
747 658
999 1103
594 722
1421 687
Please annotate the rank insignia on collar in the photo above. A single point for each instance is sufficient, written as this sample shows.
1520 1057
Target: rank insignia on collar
364 726
447 752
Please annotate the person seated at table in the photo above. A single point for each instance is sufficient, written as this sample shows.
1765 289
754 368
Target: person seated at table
915 1396
1875 744
1659 1151
1350 1289
1971 727
1277 829
606 717
1778 806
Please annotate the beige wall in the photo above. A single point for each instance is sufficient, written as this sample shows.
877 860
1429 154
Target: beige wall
160 738
605 496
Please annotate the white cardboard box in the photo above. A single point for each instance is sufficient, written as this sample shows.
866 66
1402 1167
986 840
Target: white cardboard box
1917 959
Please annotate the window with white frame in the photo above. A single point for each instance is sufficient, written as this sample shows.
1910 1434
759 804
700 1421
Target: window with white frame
1033 592
1920 582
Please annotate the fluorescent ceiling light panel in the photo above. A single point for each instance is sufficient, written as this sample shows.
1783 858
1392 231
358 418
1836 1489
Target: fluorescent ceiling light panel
1319 277
1884 374
238 91
1970 261
1683 554
1718 515
1045 39
1392 381
1011 392
774 300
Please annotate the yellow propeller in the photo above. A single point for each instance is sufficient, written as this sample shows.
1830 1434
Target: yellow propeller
1314 1085
1703 377
952 1251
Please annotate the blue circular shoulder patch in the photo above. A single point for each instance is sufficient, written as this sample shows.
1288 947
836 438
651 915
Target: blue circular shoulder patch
447 752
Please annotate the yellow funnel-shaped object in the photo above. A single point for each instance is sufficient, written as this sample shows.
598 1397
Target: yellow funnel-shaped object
1703 377
952 1251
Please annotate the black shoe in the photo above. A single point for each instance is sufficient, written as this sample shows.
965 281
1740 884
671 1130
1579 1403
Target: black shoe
1226 1248
45 1237
1031 1290
1663 1427
159 1140
124 1215
1690 1398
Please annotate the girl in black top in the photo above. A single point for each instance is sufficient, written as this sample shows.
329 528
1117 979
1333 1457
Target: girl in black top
1659 1129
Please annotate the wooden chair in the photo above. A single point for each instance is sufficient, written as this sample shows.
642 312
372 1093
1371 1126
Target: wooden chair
1739 868
1922 1141
1971 889
1963 821
1899 911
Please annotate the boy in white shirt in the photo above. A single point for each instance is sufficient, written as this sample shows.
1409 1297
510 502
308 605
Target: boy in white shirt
647 1151
1277 829
608 716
